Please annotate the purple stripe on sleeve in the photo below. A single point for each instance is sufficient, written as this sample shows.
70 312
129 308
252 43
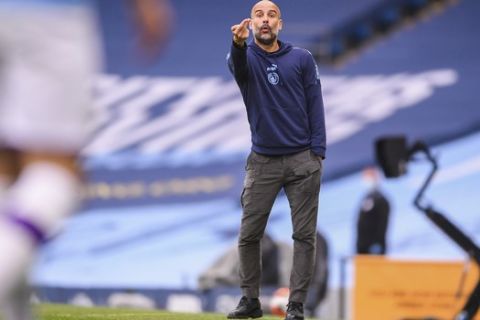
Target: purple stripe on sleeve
34 231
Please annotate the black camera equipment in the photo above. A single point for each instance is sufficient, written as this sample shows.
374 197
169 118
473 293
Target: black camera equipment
392 155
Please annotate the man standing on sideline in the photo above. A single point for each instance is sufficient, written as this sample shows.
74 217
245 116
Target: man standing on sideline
281 90
48 59
373 216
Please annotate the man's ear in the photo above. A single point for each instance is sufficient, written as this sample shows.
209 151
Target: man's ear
280 24
250 25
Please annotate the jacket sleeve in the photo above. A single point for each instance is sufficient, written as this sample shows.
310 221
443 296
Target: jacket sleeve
315 109
237 63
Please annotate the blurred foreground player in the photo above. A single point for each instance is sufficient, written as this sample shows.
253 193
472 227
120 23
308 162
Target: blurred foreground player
48 58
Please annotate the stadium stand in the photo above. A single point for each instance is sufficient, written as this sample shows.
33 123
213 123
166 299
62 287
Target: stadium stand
166 164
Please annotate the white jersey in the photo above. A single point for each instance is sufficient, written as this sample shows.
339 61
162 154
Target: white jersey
48 58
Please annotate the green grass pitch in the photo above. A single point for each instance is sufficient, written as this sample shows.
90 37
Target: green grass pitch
65 312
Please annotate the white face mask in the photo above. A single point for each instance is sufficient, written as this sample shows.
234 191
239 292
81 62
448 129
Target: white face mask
370 178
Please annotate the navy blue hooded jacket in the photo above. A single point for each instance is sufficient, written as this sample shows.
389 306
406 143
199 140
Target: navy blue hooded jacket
283 97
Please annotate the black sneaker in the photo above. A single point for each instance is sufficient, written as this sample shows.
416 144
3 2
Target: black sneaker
247 308
294 311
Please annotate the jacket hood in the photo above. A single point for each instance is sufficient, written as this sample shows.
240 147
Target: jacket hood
285 47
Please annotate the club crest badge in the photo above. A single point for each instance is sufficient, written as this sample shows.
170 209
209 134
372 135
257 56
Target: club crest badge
272 75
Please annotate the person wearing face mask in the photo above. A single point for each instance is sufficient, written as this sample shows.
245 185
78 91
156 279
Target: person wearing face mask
373 216
280 86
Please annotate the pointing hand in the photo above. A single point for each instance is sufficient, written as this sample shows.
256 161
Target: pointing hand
241 32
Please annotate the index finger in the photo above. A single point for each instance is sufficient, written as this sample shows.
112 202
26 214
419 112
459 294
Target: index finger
245 22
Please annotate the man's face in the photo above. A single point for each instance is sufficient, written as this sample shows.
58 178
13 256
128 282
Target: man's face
266 22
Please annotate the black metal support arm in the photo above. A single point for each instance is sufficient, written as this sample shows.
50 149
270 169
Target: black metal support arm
452 231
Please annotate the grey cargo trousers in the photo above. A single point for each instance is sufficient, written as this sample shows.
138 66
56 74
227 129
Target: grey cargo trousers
299 174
